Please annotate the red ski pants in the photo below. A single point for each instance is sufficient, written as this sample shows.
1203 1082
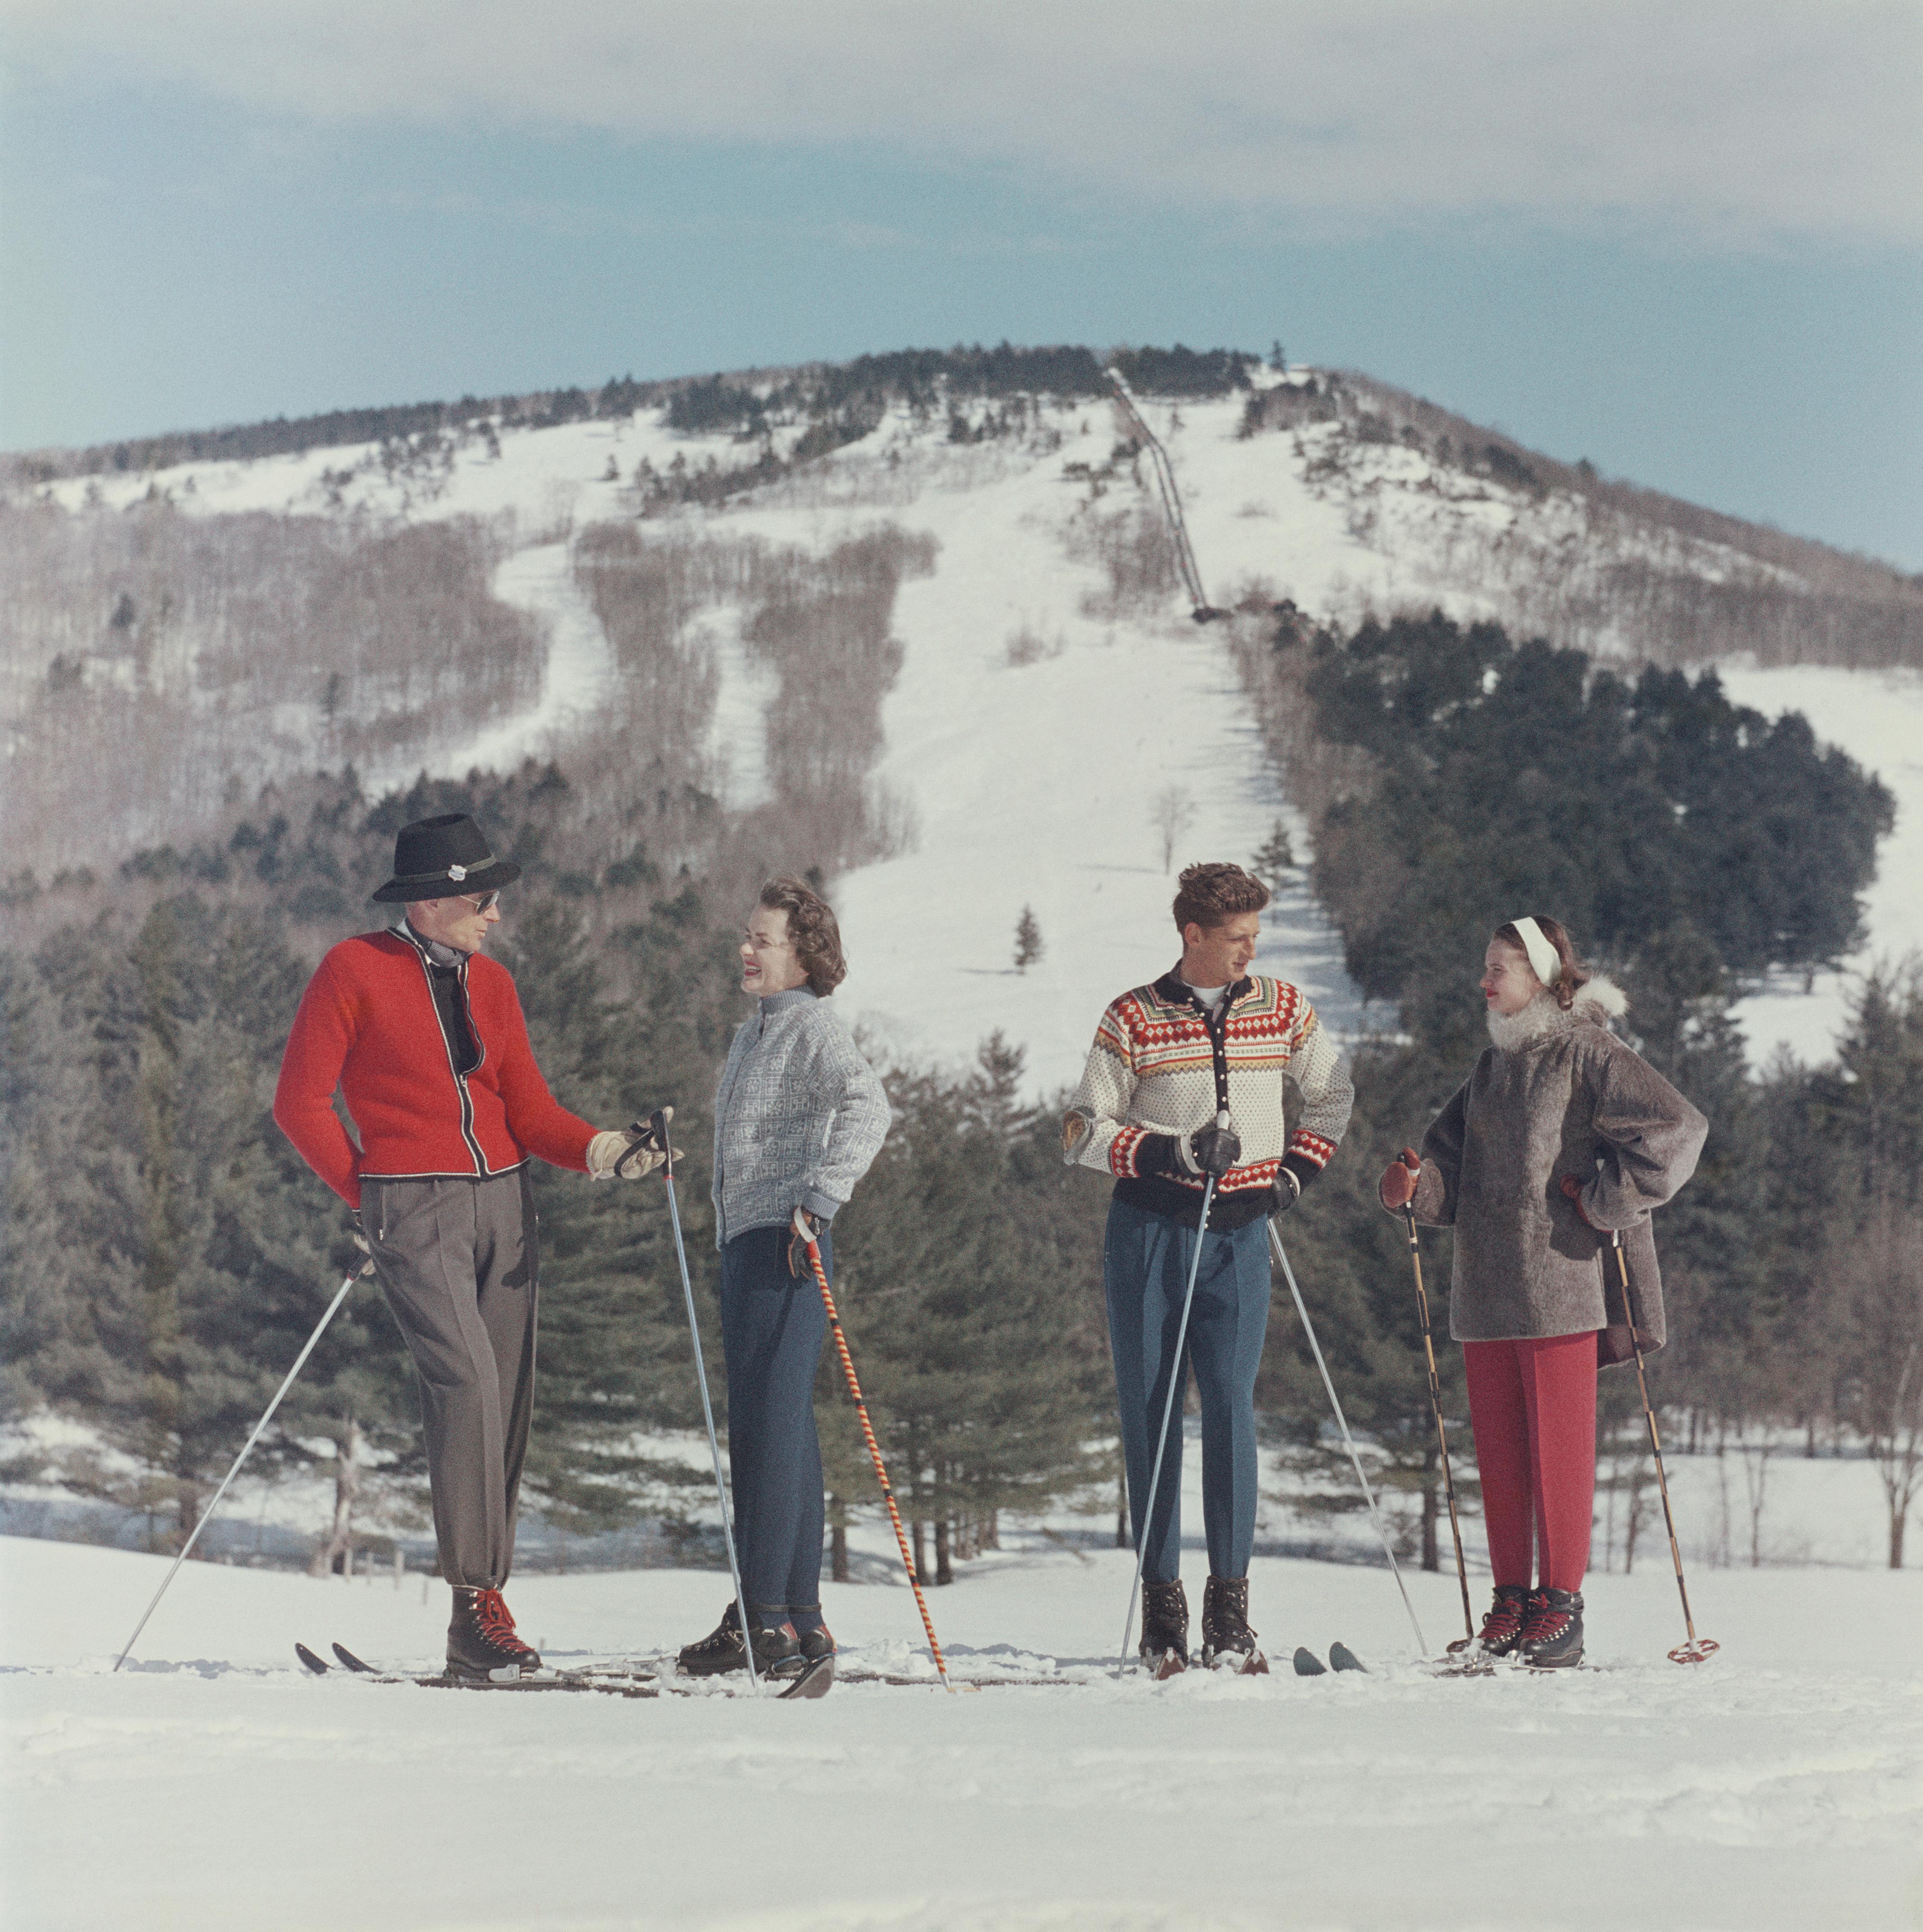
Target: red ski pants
1532 1405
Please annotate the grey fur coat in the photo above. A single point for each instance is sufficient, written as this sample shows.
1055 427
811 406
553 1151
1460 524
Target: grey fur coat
1557 1094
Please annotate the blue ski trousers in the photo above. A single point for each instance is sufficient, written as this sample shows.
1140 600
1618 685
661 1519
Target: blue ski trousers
772 1328
1145 1261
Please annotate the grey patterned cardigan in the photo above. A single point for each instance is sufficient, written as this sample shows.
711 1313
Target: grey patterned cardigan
798 1116
1557 1094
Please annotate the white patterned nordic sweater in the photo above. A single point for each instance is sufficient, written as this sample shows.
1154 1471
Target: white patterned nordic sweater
1154 1070
799 1115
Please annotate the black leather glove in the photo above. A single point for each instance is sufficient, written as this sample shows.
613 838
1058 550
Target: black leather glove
1211 1150
799 1266
1284 1191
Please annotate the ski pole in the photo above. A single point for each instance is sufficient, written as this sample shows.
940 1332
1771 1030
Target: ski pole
658 1126
1176 1379
1441 1435
1697 1650
1349 1441
207 1514
874 1455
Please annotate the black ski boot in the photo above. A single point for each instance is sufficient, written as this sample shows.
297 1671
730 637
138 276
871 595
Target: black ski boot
777 1649
1502 1623
817 1641
1227 1642
1165 1627
481 1639
1552 1638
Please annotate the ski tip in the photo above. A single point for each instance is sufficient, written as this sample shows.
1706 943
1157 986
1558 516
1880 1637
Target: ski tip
1342 1658
817 1681
311 1662
353 1662
1308 1664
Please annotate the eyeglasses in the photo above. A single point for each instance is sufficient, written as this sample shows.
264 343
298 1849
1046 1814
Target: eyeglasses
481 901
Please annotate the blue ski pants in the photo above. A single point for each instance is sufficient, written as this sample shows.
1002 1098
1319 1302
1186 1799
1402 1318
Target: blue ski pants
772 1328
1145 1261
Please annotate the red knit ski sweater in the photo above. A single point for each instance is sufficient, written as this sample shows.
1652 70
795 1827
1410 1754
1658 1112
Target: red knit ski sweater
368 1023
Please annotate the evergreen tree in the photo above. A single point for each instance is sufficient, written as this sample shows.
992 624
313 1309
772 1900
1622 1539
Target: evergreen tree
1028 940
963 1313
1275 857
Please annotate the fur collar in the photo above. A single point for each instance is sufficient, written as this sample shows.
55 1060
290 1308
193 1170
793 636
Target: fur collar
1597 1003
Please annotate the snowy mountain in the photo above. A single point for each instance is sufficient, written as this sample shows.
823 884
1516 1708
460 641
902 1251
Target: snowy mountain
1054 699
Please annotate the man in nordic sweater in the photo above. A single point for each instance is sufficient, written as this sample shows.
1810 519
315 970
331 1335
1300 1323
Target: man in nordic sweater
424 1039
798 1116
1186 1081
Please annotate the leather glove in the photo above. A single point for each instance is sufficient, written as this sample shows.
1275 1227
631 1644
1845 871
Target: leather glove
1213 1150
627 1153
1397 1186
802 1228
1284 1191
1572 1188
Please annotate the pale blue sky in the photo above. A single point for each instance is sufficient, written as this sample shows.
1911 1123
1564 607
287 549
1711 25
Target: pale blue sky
1703 272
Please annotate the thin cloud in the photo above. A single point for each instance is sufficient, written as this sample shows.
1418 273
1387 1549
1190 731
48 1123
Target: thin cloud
1738 121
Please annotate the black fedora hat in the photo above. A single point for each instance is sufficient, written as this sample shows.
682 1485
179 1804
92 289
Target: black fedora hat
443 858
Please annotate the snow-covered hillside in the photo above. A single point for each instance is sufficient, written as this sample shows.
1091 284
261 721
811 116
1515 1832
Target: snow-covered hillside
1038 719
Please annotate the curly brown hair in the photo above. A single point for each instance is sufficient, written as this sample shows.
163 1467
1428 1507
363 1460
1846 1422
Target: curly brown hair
1211 895
812 925
1572 976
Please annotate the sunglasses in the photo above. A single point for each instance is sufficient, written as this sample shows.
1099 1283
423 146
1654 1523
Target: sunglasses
481 901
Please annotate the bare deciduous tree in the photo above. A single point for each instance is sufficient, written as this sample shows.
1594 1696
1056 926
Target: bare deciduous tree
1172 815
1881 1266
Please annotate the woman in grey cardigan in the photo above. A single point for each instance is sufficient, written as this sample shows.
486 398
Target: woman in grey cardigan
1561 1135
798 1116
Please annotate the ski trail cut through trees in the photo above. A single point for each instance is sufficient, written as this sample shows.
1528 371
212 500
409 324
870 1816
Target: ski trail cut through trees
579 666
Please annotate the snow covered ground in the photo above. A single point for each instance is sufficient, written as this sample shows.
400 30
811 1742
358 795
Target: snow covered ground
218 1786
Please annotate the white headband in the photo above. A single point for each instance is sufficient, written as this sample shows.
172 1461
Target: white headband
1543 956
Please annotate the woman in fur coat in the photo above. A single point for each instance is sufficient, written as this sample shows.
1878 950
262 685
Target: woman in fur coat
1561 1135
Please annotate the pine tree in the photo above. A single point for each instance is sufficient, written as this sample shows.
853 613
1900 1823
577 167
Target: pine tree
614 1342
965 1312
1274 857
1028 940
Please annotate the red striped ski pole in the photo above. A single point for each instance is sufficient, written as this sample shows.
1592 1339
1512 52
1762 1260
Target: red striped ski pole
1697 1649
875 1453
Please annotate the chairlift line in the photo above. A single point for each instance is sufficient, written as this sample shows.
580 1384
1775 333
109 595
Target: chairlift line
1203 611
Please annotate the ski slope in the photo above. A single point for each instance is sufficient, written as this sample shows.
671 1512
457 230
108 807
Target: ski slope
1033 784
218 1786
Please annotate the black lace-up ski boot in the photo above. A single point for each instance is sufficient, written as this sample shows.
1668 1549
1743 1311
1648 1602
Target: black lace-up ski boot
1552 1638
777 1649
481 1639
1165 1627
1502 1622
1227 1642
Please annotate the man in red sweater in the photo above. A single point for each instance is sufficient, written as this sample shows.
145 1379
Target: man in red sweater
424 1039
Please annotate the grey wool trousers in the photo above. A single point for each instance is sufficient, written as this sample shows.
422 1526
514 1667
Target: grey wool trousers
457 1261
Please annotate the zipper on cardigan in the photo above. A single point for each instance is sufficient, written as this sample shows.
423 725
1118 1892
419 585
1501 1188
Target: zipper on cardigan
480 1159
